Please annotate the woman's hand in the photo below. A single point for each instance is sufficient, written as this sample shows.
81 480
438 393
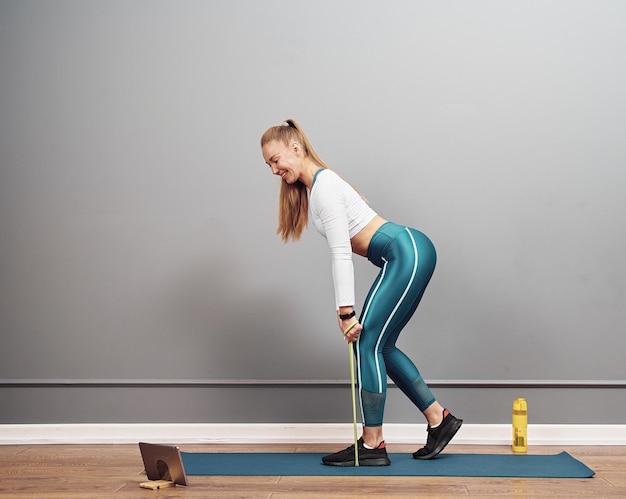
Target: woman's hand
354 330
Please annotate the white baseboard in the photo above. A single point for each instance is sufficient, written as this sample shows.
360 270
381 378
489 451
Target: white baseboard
494 434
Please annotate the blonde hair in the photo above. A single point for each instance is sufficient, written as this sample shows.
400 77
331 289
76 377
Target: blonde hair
293 202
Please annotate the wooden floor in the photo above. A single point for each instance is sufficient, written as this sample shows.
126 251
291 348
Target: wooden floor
102 471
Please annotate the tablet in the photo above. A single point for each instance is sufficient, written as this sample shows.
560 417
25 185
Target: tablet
163 462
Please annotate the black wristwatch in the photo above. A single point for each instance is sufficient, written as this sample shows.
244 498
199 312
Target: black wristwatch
345 317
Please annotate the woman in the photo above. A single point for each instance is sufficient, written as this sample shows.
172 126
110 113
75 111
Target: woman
406 258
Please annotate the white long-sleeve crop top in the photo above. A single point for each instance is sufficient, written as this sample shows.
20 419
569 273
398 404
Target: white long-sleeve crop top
339 213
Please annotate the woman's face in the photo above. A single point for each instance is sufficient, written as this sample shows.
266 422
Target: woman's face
284 160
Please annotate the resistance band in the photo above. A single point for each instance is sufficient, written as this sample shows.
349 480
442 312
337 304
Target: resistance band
356 447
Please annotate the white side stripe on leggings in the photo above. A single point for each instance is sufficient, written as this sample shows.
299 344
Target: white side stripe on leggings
382 376
358 350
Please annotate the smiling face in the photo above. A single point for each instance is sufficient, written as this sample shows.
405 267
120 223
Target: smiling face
286 161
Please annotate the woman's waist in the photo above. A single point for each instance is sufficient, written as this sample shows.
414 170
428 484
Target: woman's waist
362 240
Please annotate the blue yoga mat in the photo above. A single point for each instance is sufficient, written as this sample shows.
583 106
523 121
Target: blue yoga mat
309 464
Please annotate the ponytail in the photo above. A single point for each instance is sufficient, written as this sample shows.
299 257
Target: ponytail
305 142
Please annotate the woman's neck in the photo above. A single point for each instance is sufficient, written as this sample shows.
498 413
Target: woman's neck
308 172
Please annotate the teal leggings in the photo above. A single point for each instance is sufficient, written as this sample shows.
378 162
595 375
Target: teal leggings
407 261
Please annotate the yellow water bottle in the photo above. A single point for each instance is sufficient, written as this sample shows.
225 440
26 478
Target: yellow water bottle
520 426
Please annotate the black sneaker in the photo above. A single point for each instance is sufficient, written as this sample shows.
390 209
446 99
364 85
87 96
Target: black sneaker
367 457
439 437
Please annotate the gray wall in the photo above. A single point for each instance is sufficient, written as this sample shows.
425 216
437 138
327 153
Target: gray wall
140 277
